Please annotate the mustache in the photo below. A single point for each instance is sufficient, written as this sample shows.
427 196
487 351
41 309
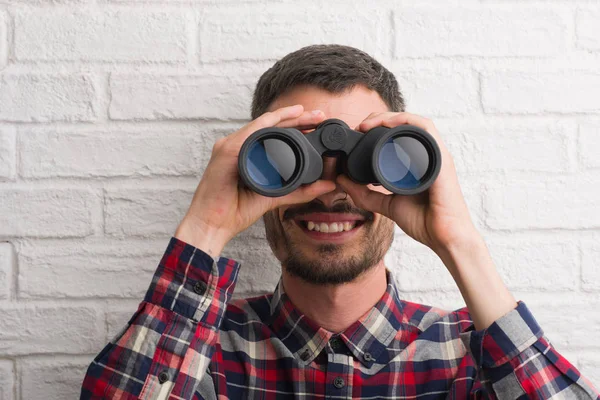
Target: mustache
315 207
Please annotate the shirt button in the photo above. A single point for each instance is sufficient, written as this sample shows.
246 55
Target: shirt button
200 287
336 343
339 382
368 357
163 377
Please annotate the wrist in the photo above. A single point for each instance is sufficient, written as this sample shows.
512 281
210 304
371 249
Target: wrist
209 239
469 242
481 286
467 239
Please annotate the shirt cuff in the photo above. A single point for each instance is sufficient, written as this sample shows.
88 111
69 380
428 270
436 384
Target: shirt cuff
191 283
504 339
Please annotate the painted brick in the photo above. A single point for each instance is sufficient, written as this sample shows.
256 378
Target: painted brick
590 367
45 97
478 31
281 29
112 35
48 153
7 153
3 41
536 264
567 329
46 2
145 212
28 328
440 92
39 212
6 267
589 145
106 268
545 203
53 378
532 92
418 268
587 23
160 97
590 273
486 146
7 371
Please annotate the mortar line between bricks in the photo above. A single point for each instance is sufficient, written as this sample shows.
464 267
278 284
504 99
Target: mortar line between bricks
15 273
479 89
17 385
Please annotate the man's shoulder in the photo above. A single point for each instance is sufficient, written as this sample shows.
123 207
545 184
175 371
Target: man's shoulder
425 317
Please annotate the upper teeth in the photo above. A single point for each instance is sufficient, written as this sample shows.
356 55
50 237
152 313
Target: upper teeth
331 227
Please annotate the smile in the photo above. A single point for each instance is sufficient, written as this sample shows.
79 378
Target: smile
330 226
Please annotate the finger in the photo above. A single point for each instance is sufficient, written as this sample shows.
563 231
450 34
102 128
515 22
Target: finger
411 119
374 120
268 119
366 198
306 193
372 116
307 120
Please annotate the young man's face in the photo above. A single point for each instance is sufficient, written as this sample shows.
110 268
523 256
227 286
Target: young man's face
322 257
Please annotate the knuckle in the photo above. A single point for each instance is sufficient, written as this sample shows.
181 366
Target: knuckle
266 115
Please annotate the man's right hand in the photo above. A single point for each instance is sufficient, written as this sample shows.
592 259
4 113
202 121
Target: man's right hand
221 208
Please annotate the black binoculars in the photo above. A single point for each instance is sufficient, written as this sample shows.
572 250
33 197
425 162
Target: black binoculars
405 159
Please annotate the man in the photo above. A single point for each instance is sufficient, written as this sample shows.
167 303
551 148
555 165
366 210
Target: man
335 326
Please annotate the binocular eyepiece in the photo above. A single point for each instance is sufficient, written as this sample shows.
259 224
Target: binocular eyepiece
274 161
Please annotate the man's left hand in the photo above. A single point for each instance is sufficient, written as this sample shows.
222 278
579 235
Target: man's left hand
438 217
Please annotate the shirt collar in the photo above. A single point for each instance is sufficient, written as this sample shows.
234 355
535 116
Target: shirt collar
366 338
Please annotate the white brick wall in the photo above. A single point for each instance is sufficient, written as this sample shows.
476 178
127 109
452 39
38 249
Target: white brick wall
109 109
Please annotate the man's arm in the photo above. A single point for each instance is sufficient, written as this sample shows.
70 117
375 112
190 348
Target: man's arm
514 358
168 343
508 345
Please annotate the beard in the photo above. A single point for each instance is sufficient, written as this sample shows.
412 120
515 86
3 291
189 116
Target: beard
331 263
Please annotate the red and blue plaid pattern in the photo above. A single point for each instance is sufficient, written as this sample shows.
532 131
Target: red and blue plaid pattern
189 340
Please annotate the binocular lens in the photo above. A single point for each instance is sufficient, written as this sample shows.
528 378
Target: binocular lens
403 162
272 163
276 161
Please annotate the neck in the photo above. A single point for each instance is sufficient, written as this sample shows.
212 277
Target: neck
336 307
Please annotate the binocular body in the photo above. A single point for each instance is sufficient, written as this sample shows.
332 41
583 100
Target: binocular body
274 161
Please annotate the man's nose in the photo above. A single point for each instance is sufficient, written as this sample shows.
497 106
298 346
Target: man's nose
331 168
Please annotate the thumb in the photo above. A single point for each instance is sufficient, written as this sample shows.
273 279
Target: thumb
306 193
366 198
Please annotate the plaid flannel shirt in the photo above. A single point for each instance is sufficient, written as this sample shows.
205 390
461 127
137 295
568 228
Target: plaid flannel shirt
189 340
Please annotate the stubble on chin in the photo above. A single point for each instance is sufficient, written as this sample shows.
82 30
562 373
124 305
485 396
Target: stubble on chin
330 263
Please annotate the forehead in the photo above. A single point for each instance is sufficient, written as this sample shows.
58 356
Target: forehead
351 106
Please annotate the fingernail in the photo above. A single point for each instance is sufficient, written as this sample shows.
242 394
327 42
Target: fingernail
316 112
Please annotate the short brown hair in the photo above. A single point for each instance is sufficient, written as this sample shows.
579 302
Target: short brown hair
331 67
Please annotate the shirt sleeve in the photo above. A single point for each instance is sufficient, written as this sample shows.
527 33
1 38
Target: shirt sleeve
166 347
516 361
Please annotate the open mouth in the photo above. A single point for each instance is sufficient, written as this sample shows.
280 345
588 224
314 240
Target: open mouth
330 227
